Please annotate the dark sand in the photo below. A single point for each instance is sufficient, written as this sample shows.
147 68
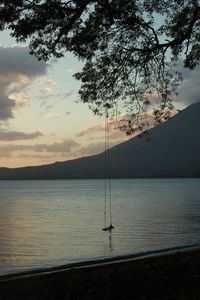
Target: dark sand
167 276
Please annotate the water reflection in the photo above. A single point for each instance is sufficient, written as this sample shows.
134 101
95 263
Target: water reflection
46 223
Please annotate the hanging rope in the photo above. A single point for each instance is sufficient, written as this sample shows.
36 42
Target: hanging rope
105 168
107 175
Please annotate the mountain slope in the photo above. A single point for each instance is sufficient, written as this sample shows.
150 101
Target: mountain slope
170 150
173 149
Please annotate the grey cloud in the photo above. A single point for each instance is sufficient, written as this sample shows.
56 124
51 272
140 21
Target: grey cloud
48 107
92 148
17 60
63 147
95 148
94 131
6 106
91 130
14 88
189 91
65 94
17 135
44 93
17 69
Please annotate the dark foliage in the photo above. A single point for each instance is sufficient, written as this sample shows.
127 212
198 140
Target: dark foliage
130 47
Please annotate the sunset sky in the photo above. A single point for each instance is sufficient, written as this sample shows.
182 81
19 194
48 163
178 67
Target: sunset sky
40 121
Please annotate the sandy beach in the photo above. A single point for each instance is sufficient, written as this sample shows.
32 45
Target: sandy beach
170 275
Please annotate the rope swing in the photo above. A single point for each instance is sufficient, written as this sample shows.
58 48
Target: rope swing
107 186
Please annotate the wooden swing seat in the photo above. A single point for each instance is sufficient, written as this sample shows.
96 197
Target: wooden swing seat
108 228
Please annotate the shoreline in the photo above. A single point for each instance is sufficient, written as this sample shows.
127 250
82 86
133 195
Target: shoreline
85 264
169 275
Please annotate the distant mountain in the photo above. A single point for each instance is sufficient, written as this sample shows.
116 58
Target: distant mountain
171 149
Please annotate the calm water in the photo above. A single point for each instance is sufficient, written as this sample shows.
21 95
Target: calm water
48 223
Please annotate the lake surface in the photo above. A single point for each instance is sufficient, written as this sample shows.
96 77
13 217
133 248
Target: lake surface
53 222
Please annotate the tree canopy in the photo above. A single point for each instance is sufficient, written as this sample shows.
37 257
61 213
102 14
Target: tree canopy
130 48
